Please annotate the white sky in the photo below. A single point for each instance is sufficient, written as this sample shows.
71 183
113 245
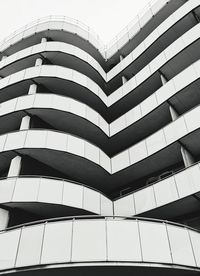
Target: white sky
105 17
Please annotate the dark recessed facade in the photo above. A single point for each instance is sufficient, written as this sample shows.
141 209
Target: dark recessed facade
99 147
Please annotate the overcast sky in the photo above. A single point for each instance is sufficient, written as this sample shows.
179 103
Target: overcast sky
106 17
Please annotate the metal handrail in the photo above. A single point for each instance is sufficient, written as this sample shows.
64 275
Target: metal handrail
52 18
103 48
96 190
157 181
93 217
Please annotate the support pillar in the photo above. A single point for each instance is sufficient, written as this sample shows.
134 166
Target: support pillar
38 62
124 80
32 89
4 218
188 159
25 123
173 112
15 166
3 57
163 79
43 40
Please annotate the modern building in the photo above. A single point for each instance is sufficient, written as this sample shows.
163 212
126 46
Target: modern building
100 147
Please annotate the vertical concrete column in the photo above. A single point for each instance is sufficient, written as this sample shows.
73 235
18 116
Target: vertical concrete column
38 62
173 112
15 165
124 79
32 89
3 57
43 40
25 123
163 79
188 159
4 218
121 57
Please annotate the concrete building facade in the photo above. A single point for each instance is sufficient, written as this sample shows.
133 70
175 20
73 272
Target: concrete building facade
99 146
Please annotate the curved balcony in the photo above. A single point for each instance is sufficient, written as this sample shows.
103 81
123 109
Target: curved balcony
171 197
58 112
80 32
173 132
165 34
10 65
180 91
69 244
56 148
171 62
150 115
55 78
55 26
78 58
174 11
52 197
168 198
40 101
81 130
131 93
54 52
